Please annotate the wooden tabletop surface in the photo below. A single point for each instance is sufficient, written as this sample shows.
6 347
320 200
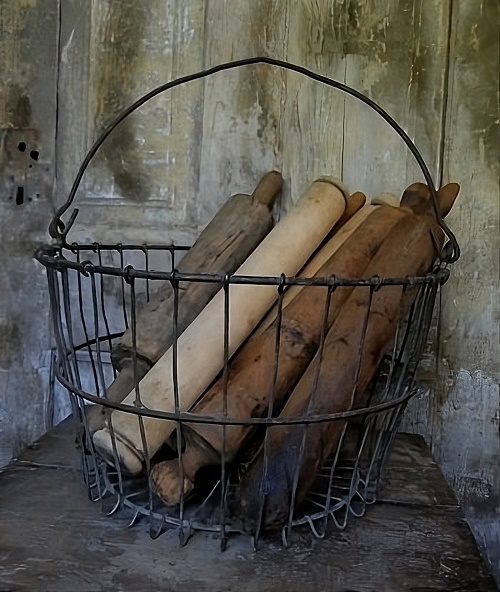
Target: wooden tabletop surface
53 539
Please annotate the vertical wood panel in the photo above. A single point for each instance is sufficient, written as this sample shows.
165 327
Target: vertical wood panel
153 157
72 140
397 56
242 107
314 113
466 434
28 52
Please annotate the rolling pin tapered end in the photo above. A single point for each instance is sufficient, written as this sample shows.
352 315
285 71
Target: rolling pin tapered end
268 188
166 479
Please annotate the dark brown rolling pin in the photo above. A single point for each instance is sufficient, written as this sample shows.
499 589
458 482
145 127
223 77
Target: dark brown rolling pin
416 198
231 236
409 249
250 373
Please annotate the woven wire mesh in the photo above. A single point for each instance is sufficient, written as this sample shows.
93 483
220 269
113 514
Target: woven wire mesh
95 292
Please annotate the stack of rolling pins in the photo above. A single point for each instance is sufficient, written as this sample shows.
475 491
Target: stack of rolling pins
327 232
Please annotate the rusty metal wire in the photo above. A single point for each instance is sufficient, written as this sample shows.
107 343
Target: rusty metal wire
96 291
92 307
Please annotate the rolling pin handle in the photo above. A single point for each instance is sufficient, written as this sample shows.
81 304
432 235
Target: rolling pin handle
268 188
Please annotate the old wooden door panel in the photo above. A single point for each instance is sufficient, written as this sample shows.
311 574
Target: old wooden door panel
466 408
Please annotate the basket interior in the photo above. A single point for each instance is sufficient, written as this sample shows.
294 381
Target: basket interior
95 296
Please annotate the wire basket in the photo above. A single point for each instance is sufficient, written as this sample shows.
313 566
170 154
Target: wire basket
95 293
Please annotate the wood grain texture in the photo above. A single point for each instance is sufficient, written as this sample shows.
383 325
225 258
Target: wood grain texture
423 542
229 238
336 380
313 114
242 123
222 247
252 387
395 50
396 54
73 90
154 156
467 399
28 46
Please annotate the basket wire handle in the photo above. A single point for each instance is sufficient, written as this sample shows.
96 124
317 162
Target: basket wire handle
58 230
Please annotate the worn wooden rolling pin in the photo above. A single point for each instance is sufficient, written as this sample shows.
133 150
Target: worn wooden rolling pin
237 228
355 203
269 490
251 371
200 348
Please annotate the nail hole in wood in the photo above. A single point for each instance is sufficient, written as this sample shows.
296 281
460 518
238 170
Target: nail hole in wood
20 196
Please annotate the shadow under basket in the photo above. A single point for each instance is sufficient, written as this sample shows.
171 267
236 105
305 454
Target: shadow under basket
96 291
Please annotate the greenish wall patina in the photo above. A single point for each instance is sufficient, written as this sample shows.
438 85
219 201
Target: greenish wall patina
67 67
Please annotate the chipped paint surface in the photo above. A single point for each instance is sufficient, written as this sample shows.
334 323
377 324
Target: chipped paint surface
28 45
169 167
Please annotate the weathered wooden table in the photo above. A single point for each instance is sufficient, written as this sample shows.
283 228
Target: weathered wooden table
52 538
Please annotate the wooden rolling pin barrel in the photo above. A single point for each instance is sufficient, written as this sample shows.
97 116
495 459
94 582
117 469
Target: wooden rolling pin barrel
200 350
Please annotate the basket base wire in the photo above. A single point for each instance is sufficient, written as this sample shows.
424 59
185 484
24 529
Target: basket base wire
344 487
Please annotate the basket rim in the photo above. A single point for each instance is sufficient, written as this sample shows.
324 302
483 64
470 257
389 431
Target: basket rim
51 258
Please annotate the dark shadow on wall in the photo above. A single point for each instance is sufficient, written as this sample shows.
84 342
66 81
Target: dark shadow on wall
120 38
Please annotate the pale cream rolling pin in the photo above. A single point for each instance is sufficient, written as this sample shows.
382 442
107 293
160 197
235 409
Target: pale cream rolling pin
200 349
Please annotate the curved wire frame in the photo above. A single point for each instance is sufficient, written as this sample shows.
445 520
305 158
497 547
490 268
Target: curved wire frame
350 479
59 230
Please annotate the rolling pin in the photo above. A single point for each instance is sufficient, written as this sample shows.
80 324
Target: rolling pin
200 349
333 382
237 228
251 371
417 198
354 204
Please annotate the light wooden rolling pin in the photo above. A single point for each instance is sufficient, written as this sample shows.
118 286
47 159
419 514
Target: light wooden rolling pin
200 348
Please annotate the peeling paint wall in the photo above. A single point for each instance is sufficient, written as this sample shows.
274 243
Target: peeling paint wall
69 66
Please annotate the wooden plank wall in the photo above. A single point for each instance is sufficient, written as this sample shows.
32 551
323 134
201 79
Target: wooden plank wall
28 73
433 65
465 425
